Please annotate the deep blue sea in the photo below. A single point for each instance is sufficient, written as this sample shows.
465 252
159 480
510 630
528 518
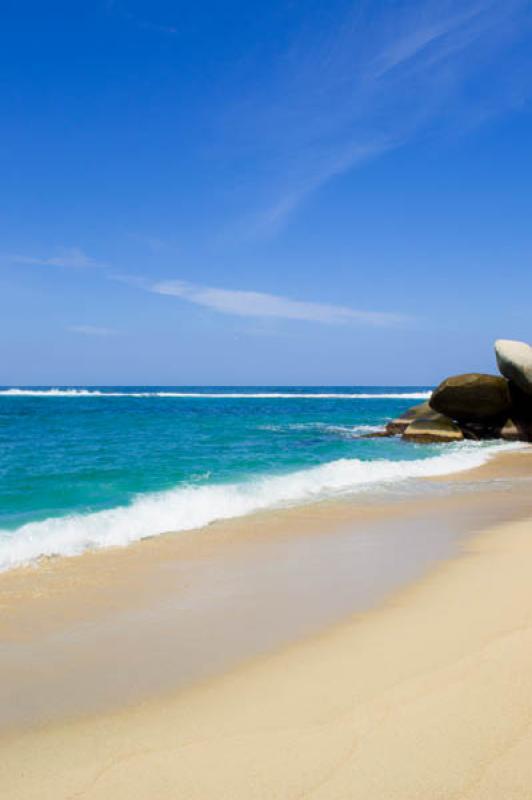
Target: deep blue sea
100 466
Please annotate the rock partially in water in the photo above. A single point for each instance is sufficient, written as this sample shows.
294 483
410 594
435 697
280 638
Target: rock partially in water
384 434
514 360
473 397
401 423
438 428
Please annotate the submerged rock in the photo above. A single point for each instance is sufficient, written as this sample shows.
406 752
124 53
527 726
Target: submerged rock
473 397
384 434
401 423
437 428
514 360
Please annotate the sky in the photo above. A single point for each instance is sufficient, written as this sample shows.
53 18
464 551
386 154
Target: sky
248 193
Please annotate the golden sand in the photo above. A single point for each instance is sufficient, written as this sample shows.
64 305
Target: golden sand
429 696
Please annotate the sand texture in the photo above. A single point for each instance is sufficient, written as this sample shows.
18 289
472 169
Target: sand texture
429 697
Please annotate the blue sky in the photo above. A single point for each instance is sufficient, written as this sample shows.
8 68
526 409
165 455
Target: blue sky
243 193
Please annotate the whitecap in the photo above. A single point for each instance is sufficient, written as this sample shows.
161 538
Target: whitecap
14 392
189 507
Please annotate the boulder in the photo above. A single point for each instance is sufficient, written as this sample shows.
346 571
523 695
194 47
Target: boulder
438 428
401 423
473 397
510 432
514 360
481 430
521 412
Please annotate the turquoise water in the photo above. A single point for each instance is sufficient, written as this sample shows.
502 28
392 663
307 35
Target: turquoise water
96 467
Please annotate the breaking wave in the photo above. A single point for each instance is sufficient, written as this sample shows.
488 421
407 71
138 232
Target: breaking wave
188 507
14 392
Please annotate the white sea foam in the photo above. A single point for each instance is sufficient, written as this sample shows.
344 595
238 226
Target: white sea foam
348 431
188 507
14 392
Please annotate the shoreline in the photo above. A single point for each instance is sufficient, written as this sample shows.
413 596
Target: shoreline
194 509
117 626
427 695
508 464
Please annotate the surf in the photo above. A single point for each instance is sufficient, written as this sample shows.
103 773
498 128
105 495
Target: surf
188 507
16 392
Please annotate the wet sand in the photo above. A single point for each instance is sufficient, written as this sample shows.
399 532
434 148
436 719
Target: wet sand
235 640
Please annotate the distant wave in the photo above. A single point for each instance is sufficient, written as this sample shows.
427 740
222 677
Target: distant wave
219 395
188 507
348 431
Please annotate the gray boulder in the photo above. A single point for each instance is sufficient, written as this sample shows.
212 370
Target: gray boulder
473 397
514 360
436 429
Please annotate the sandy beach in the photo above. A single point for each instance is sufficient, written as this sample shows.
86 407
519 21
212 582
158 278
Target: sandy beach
416 687
266 400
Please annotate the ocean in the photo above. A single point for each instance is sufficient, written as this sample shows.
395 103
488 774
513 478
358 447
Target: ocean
95 467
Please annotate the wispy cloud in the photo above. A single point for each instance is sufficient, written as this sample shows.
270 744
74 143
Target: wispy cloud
429 34
372 82
235 302
274 216
244 303
92 330
65 257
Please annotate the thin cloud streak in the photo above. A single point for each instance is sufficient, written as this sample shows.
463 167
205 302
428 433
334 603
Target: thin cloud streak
243 303
275 216
234 302
385 75
420 39
71 257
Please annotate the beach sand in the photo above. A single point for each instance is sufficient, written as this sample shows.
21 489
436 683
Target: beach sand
427 695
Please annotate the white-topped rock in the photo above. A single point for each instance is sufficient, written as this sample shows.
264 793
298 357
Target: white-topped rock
514 360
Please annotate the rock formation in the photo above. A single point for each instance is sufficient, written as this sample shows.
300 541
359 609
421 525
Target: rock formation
401 423
434 429
514 360
473 397
475 405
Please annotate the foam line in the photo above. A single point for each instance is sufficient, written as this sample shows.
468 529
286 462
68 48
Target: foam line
218 395
188 507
